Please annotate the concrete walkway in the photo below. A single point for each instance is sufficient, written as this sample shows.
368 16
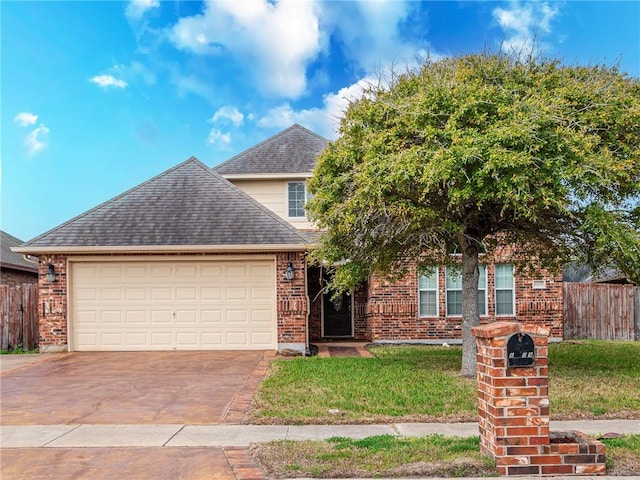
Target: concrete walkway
52 436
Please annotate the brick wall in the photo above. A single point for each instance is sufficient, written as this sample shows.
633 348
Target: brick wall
13 277
513 410
392 307
291 299
53 300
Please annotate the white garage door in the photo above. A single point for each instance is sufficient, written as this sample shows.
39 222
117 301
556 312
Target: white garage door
173 305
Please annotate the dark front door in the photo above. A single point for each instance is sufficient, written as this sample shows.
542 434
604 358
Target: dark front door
337 316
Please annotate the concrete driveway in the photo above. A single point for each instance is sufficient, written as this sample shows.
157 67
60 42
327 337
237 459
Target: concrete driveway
192 388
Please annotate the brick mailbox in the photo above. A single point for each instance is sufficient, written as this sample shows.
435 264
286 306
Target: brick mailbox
513 406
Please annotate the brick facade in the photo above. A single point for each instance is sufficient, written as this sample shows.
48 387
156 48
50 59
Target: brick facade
54 304
382 310
392 307
290 300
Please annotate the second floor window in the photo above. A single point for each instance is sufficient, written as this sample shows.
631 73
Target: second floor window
297 197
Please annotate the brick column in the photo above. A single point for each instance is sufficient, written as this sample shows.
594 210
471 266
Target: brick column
513 408
291 303
52 305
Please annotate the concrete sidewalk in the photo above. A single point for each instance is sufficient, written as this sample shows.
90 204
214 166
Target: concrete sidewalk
52 436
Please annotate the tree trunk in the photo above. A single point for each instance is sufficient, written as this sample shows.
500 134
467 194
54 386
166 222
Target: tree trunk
470 313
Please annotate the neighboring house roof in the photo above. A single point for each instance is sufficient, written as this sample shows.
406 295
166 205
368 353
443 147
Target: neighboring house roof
188 205
9 259
292 151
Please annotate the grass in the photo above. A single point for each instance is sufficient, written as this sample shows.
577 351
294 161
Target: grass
17 351
594 379
389 456
587 379
384 455
390 385
623 455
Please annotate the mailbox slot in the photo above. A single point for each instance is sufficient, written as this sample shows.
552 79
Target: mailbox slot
520 351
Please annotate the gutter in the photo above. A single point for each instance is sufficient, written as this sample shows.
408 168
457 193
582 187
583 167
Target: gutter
252 248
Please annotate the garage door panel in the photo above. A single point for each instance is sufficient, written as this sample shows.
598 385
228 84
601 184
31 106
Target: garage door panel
159 317
138 293
110 294
187 272
137 317
186 293
110 272
111 317
169 304
211 316
159 294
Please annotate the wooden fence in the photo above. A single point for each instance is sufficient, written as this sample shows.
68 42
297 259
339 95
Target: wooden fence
601 311
19 316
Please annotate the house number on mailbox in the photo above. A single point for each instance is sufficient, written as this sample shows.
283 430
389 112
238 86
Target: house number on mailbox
520 351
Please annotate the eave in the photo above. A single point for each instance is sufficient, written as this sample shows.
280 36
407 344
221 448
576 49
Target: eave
34 250
265 176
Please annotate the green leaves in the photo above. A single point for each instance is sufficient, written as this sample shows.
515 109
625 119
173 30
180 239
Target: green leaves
489 146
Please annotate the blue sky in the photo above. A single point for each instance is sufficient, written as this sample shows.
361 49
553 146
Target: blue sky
98 97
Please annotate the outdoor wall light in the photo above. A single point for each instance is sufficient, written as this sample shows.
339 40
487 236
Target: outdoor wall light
289 273
51 273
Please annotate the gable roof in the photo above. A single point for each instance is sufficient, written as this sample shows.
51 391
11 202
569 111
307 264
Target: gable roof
294 150
188 205
9 259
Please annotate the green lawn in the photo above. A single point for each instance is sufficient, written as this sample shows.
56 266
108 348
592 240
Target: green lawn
387 456
587 379
381 456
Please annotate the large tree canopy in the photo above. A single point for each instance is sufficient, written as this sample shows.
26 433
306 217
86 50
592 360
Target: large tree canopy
467 151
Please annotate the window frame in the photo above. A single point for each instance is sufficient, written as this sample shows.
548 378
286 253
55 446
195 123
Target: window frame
435 273
480 290
306 197
497 289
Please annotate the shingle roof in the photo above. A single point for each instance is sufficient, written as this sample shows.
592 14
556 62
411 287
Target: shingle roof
186 205
9 259
293 150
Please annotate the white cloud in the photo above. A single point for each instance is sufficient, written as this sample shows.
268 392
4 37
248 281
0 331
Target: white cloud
35 141
106 81
137 8
218 138
274 40
372 32
322 120
25 119
228 113
523 23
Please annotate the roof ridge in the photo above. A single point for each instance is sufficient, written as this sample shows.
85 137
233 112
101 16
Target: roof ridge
253 201
191 159
267 140
11 237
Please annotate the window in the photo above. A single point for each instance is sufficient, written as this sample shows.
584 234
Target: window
504 289
297 197
454 291
428 293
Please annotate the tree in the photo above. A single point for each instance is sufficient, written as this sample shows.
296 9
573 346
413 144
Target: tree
476 152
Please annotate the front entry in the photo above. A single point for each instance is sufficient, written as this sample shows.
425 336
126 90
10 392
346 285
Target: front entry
337 318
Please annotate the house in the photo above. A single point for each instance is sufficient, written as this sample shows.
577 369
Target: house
199 258
15 269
